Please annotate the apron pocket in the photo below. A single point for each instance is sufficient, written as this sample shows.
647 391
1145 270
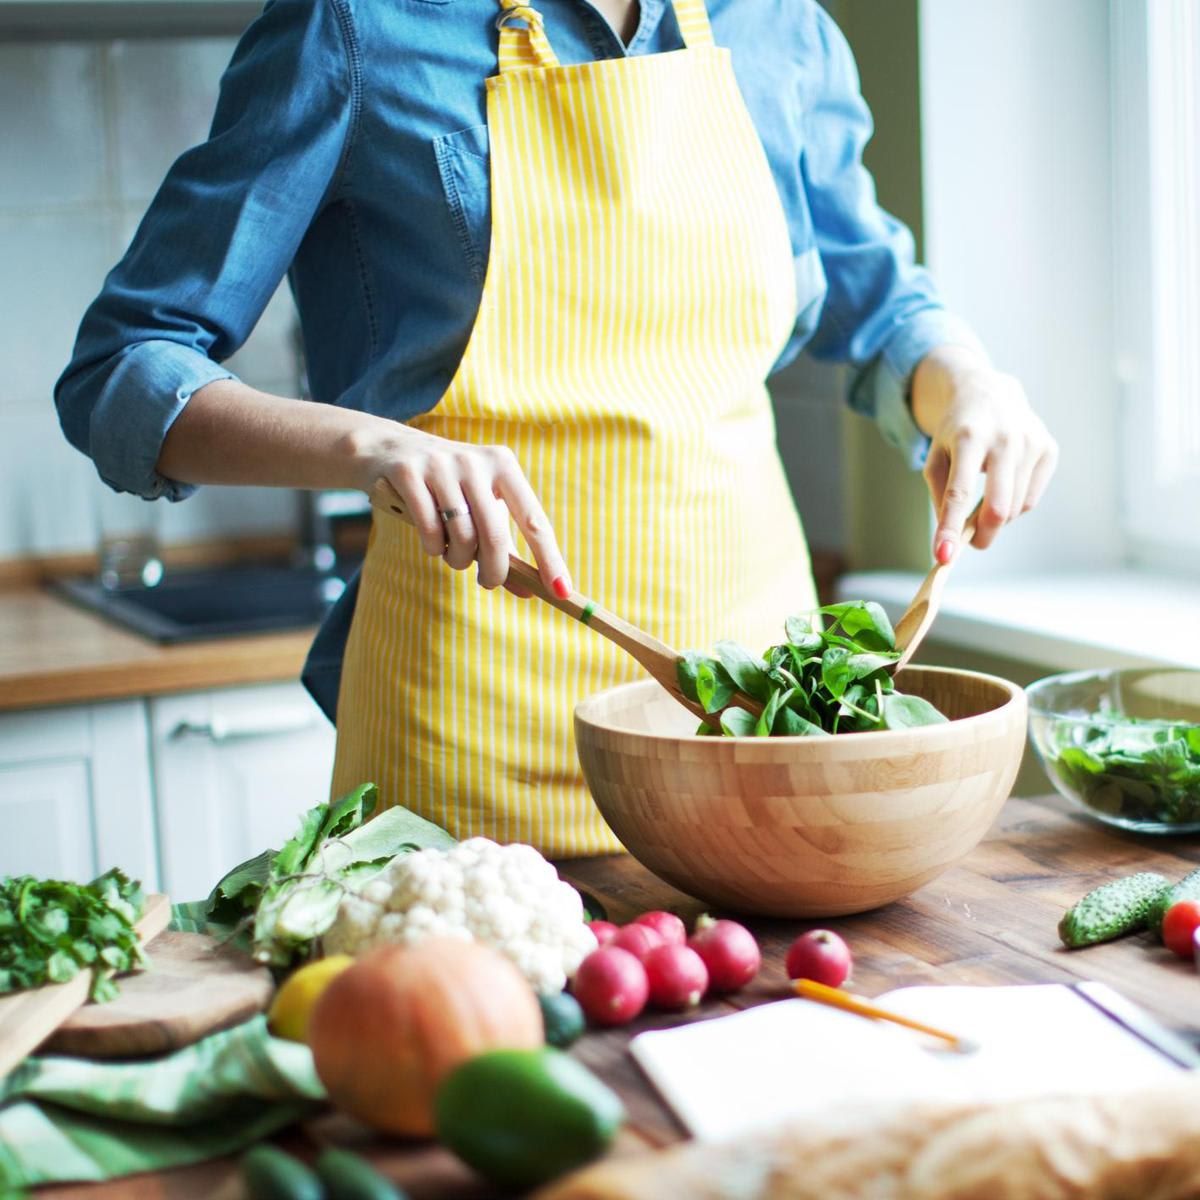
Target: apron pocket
462 159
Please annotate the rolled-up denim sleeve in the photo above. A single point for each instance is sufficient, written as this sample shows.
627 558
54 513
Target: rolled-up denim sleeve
882 313
215 243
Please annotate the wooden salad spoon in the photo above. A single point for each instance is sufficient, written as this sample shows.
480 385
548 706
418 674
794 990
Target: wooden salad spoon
655 656
918 616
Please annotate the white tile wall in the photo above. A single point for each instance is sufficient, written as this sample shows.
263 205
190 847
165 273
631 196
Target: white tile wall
87 131
162 97
52 153
54 262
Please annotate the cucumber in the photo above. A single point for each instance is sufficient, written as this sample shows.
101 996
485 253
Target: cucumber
563 1019
347 1176
1188 888
1113 909
271 1174
524 1117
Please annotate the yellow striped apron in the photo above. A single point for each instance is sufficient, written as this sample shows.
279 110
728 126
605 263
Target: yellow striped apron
639 288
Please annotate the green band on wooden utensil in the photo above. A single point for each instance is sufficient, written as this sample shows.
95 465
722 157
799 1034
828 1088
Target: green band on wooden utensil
588 609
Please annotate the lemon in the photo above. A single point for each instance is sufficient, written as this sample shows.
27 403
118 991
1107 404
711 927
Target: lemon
292 1007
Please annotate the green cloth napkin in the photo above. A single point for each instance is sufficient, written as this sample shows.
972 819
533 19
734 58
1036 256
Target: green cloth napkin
70 1119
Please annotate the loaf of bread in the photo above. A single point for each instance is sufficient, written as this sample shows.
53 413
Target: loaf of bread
1134 1146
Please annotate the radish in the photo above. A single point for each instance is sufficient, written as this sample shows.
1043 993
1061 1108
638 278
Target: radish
604 931
819 955
678 977
611 986
666 924
639 940
729 952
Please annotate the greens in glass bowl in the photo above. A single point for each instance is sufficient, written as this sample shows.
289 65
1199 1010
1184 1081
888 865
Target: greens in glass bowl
1125 744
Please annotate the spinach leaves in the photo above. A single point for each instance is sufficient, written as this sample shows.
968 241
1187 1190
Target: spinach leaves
819 681
1137 770
50 930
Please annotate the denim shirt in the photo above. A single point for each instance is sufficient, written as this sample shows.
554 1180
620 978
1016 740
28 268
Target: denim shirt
349 151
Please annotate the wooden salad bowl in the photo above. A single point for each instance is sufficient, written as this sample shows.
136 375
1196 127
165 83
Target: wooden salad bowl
803 827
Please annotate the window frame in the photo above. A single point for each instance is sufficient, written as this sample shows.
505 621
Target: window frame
1156 175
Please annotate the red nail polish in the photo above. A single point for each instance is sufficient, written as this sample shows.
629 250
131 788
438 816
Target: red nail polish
945 551
562 587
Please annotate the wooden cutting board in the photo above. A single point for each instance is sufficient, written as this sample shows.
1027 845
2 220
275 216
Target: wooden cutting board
28 1018
194 987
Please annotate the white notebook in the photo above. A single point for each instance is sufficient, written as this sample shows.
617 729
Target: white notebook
796 1058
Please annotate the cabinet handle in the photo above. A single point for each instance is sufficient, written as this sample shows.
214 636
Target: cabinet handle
228 729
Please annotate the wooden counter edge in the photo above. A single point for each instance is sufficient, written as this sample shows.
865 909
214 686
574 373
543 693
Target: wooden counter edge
56 653
218 663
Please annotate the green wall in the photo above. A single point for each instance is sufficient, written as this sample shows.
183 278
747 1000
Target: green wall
887 509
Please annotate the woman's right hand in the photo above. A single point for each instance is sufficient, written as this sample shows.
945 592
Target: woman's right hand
231 433
482 487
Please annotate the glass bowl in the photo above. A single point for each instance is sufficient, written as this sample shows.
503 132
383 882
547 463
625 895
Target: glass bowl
1125 744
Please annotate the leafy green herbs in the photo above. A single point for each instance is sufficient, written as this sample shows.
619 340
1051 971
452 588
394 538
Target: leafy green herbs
819 681
50 930
1135 770
290 897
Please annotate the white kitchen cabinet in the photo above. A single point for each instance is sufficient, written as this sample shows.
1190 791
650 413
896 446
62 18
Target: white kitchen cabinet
174 790
47 812
233 771
75 792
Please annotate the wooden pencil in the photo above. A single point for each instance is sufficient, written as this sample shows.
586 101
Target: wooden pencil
848 1002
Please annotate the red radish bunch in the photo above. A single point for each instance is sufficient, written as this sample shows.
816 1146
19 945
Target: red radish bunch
639 940
652 959
729 952
678 977
667 925
819 955
611 986
604 931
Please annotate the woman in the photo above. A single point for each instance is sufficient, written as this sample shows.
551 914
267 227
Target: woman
565 248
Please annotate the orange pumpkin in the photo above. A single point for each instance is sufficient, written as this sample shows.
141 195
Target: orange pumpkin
387 1030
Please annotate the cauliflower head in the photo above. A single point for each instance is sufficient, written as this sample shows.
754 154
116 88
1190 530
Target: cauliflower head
508 897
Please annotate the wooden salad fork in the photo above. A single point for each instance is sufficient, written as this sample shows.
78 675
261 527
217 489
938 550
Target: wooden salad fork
918 616
655 656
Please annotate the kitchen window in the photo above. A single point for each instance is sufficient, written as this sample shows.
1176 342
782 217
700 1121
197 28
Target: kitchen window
1156 164
1061 205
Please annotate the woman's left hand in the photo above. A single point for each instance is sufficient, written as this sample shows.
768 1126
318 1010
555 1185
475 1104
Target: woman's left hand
980 423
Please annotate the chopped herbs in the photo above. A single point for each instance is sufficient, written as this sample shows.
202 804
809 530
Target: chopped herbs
50 930
820 681
1131 769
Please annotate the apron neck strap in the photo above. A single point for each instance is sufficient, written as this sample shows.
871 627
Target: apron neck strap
692 18
523 41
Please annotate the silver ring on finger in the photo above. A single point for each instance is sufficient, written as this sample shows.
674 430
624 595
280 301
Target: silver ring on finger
451 514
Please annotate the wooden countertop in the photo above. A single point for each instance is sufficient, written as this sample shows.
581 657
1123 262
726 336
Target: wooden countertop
52 652
991 920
